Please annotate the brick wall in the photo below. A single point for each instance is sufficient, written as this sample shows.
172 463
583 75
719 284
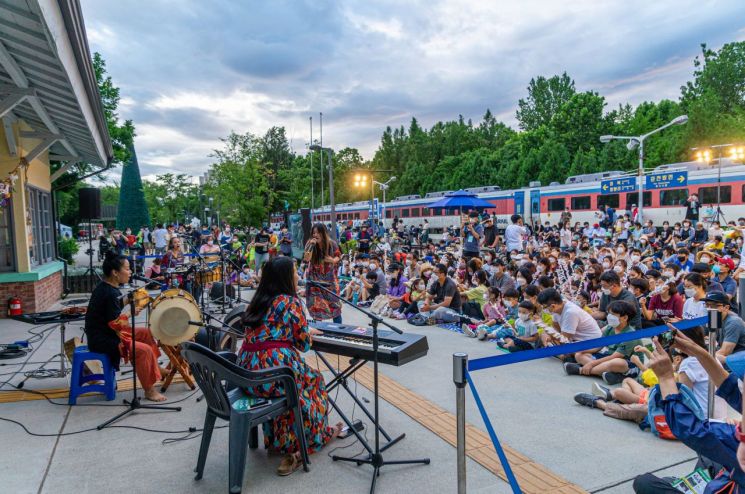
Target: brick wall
35 296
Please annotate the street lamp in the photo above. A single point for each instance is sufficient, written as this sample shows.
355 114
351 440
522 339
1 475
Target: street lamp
360 181
705 155
635 141
329 153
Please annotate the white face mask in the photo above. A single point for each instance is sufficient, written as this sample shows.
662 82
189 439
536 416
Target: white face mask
487 259
668 274
520 281
540 268
420 286
606 265
618 269
613 320
636 258
620 251
575 276
524 316
705 259
509 304
690 292
606 291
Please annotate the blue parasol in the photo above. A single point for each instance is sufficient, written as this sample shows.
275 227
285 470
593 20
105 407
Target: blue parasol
461 200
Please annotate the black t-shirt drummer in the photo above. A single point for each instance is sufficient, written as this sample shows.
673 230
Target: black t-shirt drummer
105 305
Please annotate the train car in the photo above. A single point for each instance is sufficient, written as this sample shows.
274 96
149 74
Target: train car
581 194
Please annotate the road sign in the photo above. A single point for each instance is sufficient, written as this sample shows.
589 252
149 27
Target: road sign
667 180
616 185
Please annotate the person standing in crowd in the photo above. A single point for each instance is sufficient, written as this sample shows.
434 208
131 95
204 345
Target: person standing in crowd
323 255
285 242
514 234
692 209
261 248
490 234
473 233
160 239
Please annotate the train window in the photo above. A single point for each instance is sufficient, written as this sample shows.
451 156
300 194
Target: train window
610 200
404 213
581 202
675 197
414 212
425 211
388 213
633 198
356 216
708 195
556 204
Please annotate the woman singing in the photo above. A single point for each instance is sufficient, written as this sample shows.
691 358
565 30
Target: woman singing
109 332
276 332
322 255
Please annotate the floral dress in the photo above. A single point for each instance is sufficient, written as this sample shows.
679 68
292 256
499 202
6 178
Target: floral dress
321 304
285 321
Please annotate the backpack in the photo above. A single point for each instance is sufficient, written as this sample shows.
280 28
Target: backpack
656 420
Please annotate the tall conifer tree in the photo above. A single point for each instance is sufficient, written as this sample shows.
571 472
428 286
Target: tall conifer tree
132 211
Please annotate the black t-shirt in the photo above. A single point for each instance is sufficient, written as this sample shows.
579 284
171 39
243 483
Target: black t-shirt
490 235
448 289
363 240
105 305
261 238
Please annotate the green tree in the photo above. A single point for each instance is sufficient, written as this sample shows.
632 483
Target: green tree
122 134
545 97
132 211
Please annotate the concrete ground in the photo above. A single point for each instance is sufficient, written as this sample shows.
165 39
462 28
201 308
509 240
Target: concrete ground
530 405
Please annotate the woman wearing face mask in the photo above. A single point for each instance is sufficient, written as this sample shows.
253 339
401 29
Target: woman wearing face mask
695 291
620 268
666 304
607 263
209 250
523 278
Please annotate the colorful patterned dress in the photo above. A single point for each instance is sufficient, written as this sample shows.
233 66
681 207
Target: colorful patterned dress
321 304
285 321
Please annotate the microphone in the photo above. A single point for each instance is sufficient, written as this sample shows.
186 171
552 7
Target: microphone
145 279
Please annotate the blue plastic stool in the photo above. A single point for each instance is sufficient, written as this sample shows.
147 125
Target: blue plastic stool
78 381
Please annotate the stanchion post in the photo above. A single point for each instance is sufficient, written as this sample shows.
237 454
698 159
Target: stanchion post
714 325
460 362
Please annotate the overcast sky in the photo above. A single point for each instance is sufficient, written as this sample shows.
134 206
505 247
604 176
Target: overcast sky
192 71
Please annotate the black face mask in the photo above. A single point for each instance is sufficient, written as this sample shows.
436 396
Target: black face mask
682 258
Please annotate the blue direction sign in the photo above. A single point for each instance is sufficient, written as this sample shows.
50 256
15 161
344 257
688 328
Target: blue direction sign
616 185
667 180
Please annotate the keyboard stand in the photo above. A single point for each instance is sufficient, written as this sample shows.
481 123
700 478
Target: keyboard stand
340 379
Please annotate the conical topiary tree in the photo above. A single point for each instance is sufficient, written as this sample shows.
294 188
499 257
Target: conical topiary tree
132 211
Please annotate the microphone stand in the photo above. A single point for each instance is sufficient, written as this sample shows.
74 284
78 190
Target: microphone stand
135 403
374 459
202 263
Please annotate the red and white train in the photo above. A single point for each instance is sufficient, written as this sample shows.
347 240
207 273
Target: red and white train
581 194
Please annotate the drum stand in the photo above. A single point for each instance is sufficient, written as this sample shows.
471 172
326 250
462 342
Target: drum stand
135 403
224 302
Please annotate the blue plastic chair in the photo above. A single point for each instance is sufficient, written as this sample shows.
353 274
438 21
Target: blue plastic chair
78 381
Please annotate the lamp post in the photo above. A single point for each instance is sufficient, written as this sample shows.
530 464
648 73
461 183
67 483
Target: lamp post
330 154
360 180
704 155
635 141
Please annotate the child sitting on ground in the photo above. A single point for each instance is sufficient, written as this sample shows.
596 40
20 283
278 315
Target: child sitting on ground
496 327
247 278
526 330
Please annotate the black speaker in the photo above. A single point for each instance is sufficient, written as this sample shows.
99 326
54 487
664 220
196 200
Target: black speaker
90 203
307 224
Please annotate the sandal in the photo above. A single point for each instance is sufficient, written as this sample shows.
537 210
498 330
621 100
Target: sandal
289 464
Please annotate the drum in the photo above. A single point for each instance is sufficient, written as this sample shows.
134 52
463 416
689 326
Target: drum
209 275
170 315
220 340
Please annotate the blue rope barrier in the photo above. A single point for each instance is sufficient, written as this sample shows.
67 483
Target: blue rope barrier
493 435
513 358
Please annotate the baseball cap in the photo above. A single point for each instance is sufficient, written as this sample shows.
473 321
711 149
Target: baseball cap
717 297
726 261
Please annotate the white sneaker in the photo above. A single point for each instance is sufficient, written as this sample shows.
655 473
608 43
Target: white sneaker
468 331
481 334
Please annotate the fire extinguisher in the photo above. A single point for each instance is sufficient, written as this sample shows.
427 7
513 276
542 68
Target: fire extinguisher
14 306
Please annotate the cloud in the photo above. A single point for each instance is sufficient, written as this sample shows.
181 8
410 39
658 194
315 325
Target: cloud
191 72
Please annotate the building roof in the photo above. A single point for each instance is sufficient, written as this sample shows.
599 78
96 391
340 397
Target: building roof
47 80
